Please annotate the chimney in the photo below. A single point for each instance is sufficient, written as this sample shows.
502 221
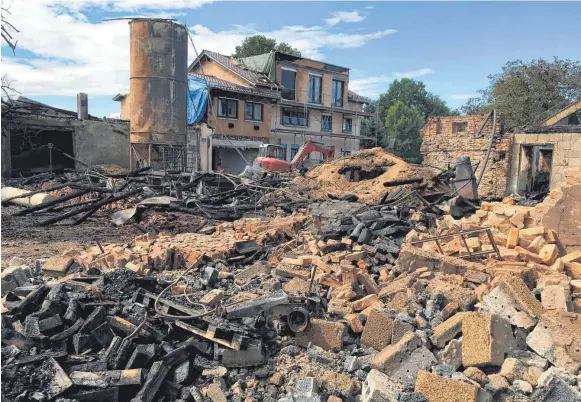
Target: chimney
82 106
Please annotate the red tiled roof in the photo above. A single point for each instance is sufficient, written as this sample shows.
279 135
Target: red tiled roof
251 76
352 96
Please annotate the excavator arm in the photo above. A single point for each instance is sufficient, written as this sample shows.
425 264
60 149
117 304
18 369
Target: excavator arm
310 146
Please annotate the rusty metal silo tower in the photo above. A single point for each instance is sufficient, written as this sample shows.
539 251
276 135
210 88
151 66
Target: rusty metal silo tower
158 90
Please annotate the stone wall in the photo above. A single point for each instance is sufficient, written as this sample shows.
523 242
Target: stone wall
449 137
101 142
566 154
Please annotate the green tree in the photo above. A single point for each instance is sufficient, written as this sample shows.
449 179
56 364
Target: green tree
372 126
260 44
404 124
413 94
527 93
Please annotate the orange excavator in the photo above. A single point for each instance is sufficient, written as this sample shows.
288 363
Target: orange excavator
270 157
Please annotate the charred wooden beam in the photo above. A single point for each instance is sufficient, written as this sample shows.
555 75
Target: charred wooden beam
394 183
154 379
98 395
90 206
104 379
12 337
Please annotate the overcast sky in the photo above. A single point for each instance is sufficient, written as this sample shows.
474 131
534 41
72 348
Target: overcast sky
66 47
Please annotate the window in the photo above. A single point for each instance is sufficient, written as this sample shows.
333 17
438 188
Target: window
459 127
283 146
347 124
292 117
315 81
288 79
326 123
227 108
294 150
337 93
253 111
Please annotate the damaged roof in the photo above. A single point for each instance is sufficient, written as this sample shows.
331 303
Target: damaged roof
252 77
563 113
23 106
354 97
219 83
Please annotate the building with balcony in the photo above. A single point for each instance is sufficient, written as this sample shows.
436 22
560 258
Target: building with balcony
272 98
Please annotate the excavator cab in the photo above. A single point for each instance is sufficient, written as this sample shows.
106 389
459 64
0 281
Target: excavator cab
271 151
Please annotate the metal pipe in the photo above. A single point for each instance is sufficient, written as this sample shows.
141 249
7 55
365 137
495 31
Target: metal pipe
489 148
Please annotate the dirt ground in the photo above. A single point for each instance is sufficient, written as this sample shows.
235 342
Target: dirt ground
22 237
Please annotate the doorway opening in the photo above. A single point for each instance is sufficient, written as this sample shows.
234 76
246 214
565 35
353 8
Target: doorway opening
35 152
536 163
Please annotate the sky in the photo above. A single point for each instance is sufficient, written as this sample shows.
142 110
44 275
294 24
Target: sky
66 46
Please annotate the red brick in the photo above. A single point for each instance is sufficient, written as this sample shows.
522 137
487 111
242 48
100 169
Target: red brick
377 331
325 334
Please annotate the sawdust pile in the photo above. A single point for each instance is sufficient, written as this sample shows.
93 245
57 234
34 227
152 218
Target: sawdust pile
326 179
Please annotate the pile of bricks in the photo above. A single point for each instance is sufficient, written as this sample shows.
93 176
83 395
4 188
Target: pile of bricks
400 322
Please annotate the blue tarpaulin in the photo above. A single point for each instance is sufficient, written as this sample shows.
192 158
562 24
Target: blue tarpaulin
197 99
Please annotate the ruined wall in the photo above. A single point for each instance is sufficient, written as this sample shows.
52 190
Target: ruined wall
566 154
448 137
101 142
125 107
6 158
192 146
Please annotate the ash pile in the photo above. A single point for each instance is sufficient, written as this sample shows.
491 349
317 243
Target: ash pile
343 302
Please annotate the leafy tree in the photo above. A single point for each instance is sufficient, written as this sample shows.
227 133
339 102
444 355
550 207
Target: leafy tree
372 126
288 49
404 123
413 94
260 44
527 93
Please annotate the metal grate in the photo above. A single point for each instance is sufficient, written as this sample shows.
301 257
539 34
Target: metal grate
461 234
177 158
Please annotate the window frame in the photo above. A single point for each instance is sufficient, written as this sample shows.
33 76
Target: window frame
253 111
294 150
296 112
350 125
294 90
330 129
225 116
320 100
459 127
334 99
284 151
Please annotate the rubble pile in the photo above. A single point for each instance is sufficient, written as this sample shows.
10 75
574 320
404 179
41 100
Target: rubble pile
344 302
363 173
74 197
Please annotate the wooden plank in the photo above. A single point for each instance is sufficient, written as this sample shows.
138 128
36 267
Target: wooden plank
205 334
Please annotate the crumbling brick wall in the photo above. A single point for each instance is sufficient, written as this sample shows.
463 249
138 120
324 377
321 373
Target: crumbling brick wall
566 153
449 137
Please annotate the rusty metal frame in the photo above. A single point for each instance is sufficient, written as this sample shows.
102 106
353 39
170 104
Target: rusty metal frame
461 234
